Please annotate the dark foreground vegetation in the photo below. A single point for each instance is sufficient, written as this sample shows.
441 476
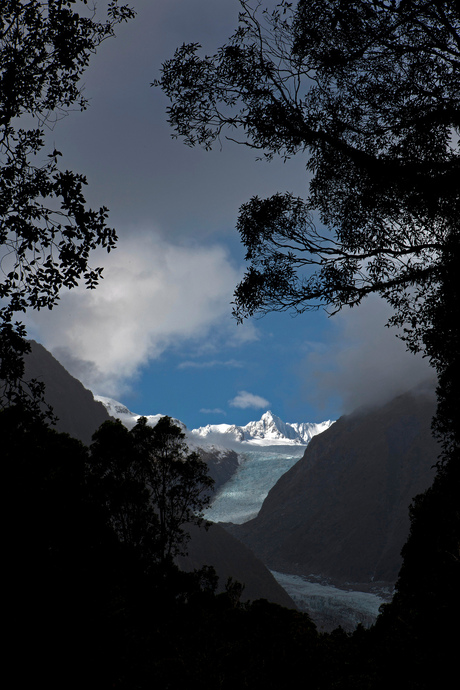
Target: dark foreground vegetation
368 91
98 602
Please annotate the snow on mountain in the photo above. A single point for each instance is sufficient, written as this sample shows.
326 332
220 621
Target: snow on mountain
128 418
268 431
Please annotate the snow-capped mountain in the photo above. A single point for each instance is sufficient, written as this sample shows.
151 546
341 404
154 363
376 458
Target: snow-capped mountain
269 430
119 411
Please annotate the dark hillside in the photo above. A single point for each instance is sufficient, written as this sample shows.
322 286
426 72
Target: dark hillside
233 559
78 413
342 510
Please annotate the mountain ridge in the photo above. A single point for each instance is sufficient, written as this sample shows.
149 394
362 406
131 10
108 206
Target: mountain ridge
80 415
269 430
342 511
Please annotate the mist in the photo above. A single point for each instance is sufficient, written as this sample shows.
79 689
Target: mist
366 364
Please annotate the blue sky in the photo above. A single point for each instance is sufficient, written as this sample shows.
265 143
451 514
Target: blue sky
158 333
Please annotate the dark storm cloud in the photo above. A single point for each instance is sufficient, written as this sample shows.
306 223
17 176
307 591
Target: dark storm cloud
123 142
171 277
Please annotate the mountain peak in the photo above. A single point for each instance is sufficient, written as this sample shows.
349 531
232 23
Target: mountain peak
268 415
269 430
269 418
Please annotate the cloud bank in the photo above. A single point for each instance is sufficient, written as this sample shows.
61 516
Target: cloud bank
245 400
366 364
154 296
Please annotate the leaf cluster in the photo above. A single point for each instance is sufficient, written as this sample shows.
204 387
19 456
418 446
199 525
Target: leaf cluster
47 233
44 49
369 92
151 485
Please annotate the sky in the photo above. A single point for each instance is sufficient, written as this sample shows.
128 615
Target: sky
158 334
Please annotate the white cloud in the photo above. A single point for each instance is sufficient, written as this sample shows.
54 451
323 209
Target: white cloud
215 410
228 364
154 296
244 400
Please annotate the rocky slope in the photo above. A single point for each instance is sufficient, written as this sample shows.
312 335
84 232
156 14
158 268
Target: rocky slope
342 510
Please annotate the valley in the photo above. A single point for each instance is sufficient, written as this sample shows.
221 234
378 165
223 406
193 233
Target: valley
314 515
324 506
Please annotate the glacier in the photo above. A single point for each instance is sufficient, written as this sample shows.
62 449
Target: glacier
241 498
266 449
330 606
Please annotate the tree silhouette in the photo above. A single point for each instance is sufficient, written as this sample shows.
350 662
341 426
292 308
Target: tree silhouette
46 231
116 483
369 92
177 480
150 484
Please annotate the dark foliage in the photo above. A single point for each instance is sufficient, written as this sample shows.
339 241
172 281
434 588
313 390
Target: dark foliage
86 609
418 625
14 390
150 485
442 344
61 561
47 232
94 605
369 91
81 595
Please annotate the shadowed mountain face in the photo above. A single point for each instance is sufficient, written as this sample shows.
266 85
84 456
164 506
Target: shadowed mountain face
233 559
78 413
222 464
342 510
